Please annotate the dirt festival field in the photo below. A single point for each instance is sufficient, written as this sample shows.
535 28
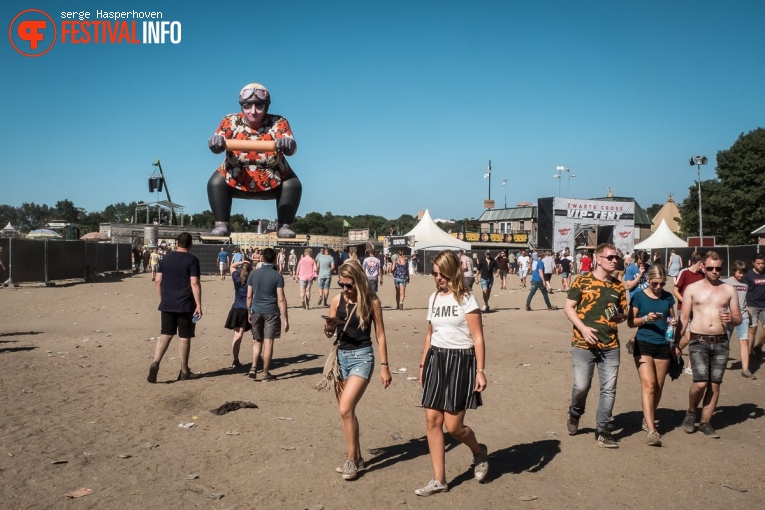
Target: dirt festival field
77 412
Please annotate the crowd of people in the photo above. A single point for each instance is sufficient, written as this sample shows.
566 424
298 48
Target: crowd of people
609 289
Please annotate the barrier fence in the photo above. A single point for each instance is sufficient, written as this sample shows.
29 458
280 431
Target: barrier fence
31 261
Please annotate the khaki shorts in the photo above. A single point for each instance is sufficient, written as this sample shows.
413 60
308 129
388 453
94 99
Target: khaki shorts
266 326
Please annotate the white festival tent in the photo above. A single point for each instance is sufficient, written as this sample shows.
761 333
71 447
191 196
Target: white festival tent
663 237
428 236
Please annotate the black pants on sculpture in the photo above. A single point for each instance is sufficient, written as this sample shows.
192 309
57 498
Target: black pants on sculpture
287 197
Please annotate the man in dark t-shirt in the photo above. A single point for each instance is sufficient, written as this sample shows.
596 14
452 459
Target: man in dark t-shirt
755 298
267 309
180 295
487 267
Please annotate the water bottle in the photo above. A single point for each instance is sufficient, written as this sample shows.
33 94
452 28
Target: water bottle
195 318
670 334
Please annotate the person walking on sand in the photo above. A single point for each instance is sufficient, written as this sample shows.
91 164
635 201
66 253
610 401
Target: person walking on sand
738 271
154 260
293 264
373 269
267 306
452 370
486 269
222 262
538 283
306 273
352 314
715 308
652 311
400 273
595 306
755 298
238 317
180 304
326 265
523 268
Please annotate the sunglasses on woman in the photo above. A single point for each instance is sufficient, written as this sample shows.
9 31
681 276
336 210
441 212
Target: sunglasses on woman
344 285
658 284
436 274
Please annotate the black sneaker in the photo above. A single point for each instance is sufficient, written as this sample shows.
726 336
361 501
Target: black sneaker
689 423
708 430
572 424
186 376
606 440
153 371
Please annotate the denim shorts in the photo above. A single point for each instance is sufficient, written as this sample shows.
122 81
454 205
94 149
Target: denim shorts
325 283
708 361
359 362
487 284
399 282
742 330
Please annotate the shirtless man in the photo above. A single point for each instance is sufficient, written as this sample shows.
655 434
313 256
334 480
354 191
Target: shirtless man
715 307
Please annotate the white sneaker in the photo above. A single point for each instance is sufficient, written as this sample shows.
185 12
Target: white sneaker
433 487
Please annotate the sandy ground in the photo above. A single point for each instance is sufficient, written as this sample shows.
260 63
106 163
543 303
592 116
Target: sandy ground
73 365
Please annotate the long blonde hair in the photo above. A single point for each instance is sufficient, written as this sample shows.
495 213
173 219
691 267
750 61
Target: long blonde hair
449 265
365 296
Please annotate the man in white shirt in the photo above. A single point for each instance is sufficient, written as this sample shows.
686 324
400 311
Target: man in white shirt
523 268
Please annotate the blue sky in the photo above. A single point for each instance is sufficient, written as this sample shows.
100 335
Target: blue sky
397 106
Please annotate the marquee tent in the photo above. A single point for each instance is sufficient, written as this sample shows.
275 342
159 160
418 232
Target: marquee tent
662 238
428 236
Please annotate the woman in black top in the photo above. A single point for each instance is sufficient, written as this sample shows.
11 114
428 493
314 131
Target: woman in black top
357 308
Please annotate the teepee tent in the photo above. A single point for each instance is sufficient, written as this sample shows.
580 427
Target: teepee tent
428 236
662 238
668 212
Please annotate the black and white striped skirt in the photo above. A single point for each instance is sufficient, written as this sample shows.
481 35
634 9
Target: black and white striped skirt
448 380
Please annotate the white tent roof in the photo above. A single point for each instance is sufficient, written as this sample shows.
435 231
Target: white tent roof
662 238
9 228
427 236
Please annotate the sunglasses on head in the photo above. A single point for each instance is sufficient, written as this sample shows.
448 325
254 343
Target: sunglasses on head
253 93
344 285
611 258
436 274
713 269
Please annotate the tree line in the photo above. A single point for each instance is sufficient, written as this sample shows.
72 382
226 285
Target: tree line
30 216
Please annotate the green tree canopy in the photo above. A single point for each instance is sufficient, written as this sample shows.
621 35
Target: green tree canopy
733 205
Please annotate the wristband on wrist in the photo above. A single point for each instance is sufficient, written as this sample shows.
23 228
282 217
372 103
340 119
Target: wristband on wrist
384 364
480 371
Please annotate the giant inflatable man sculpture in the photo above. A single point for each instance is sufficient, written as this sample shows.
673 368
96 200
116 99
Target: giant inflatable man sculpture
255 167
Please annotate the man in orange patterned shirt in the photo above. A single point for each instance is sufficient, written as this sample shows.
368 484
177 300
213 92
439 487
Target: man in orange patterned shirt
254 175
595 305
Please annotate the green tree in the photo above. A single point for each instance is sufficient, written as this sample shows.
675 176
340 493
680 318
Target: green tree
119 212
733 205
33 216
201 220
66 211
